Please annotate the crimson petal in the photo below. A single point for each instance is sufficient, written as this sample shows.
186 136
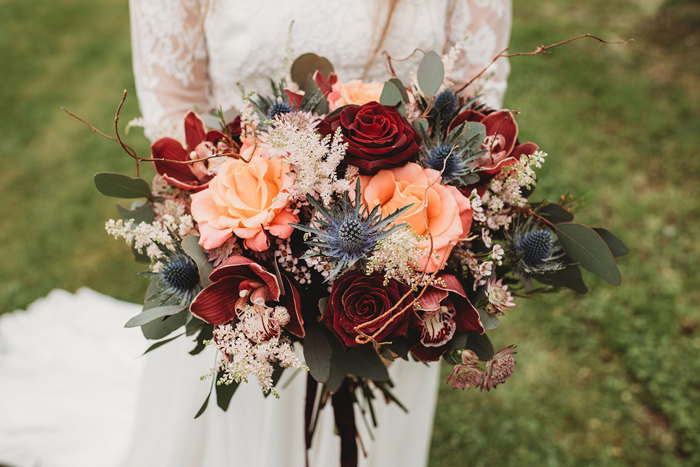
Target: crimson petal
216 304
194 130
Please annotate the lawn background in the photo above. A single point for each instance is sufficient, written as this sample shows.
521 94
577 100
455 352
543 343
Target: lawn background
611 378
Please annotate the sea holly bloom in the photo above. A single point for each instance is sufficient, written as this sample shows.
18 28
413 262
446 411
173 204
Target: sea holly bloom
501 142
444 310
242 289
436 209
499 368
200 144
499 297
246 199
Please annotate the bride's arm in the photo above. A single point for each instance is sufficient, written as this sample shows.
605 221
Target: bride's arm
482 30
170 62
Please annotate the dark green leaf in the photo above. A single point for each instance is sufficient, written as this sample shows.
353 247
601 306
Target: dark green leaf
306 65
420 126
586 247
191 246
480 344
322 304
361 361
336 378
161 327
459 341
314 100
152 314
159 343
569 277
431 73
121 186
139 213
204 405
617 246
400 347
555 213
205 334
224 393
317 352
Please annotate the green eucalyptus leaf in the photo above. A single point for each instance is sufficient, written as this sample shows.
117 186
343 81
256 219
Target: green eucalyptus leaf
121 186
402 89
161 327
587 248
160 343
152 314
317 352
390 96
335 380
420 126
191 246
206 334
489 321
142 212
362 361
306 65
617 246
458 341
431 73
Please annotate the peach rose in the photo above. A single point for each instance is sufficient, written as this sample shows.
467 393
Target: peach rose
245 199
354 92
447 211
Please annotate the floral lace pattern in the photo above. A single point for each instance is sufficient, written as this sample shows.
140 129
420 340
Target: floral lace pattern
198 53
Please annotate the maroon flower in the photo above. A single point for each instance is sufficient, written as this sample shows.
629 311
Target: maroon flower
357 298
240 282
444 310
378 136
191 177
501 141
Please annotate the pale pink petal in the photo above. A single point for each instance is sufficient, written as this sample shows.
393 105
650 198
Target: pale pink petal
210 237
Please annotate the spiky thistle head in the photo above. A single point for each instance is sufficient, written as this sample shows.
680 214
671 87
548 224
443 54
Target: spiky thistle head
535 249
278 108
447 160
348 232
445 105
181 276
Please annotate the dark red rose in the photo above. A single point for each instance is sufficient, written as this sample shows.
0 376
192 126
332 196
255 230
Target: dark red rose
501 141
234 127
239 282
444 310
378 136
357 298
191 177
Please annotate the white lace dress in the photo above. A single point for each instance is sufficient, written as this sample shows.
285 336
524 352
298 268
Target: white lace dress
195 53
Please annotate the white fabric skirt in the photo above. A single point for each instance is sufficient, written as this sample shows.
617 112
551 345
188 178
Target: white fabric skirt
74 392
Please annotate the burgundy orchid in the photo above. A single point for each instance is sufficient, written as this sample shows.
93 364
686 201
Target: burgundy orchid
200 144
501 141
240 283
444 310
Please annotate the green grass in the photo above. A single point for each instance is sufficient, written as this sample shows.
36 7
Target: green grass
610 378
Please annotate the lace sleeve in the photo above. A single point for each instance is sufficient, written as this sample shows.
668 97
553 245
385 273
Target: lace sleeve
169 61
477 30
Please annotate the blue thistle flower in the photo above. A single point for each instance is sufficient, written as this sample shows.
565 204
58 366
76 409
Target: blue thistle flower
278 108
349 232
448 158
445 105
181 276
536 247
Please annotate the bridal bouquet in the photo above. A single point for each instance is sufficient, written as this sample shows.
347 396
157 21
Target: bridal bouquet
335 226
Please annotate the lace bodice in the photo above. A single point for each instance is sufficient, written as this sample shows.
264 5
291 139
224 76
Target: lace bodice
201 53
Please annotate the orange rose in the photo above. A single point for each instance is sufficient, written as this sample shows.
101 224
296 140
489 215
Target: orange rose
447 211
245 199
354 92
